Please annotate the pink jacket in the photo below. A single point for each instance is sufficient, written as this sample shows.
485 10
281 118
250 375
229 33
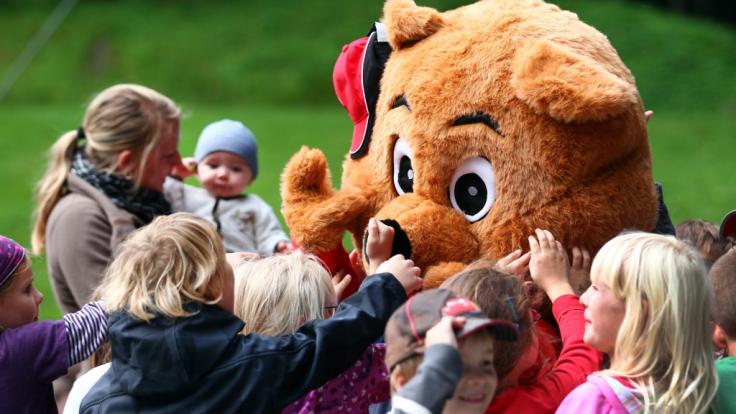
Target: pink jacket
604 395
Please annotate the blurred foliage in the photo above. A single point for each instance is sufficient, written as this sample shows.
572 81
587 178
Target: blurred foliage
263 52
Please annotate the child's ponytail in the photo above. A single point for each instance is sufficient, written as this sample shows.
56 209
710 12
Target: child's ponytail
51 187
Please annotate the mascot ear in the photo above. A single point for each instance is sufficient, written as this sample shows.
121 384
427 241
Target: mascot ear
568 86
406 23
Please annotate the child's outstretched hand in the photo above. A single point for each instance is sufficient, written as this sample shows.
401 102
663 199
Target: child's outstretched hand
514 263
405 271
549 266
357 264
378 245
340 281
580 270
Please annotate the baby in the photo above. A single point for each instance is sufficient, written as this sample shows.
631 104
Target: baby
226 163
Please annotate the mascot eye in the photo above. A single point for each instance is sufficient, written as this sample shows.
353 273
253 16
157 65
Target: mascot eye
403 170
473 188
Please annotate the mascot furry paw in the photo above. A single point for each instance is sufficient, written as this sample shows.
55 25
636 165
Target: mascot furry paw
491 120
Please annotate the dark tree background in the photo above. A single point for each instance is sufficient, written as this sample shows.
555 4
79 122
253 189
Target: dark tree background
719 10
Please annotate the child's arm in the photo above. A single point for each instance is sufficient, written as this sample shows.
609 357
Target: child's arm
438 374
268 230
320 350
86 330
549 268
47 349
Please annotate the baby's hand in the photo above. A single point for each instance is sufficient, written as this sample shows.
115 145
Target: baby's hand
405 271
648 115
549 266
580 270
284 247
444 331
514 263
378 245
186 168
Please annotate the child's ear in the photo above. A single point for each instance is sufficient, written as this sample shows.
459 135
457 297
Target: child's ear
720 341
397 380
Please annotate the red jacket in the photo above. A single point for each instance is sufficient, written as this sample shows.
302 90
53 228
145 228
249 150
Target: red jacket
575 362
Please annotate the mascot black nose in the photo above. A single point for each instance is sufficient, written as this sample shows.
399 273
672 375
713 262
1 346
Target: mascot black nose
401 245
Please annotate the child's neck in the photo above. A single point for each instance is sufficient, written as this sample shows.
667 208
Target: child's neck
732 348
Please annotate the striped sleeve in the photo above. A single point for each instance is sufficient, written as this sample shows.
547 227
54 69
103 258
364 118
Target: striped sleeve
86 330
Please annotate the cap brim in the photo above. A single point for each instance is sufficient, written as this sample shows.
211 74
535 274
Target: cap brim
361 137
728 225
503 330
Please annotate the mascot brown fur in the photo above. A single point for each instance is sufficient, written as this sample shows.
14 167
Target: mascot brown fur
493 119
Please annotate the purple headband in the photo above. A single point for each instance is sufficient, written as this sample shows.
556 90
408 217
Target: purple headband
12 255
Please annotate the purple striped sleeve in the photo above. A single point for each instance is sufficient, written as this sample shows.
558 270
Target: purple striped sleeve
86 330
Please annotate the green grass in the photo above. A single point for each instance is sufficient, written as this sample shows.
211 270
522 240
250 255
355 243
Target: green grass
270 65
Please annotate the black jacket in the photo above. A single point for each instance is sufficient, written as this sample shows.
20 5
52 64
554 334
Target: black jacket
201 364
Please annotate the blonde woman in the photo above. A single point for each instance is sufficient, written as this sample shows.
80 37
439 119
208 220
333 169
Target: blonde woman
177 347
277 295
102 181
648 309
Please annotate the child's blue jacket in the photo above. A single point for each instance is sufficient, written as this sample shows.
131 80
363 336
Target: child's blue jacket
202 364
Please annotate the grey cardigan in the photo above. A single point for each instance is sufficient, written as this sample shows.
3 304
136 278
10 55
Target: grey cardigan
82 232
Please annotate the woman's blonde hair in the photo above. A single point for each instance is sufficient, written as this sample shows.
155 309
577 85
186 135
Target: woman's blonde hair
174 260
276 295
122 117
663 344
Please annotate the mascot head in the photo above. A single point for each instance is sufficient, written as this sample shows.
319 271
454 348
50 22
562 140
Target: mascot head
491 120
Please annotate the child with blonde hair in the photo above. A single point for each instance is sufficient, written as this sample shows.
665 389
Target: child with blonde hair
276 295
648 309
176 345
32 353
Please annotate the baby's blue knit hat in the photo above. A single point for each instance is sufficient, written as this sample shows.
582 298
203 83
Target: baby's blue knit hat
231 136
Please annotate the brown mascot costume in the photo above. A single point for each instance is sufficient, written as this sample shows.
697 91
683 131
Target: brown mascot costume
491 120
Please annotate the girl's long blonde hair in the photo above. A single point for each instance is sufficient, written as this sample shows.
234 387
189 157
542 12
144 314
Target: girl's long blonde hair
663 345
276 295
122 117
161 267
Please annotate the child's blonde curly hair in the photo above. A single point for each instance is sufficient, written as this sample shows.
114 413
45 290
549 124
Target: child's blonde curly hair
175 260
